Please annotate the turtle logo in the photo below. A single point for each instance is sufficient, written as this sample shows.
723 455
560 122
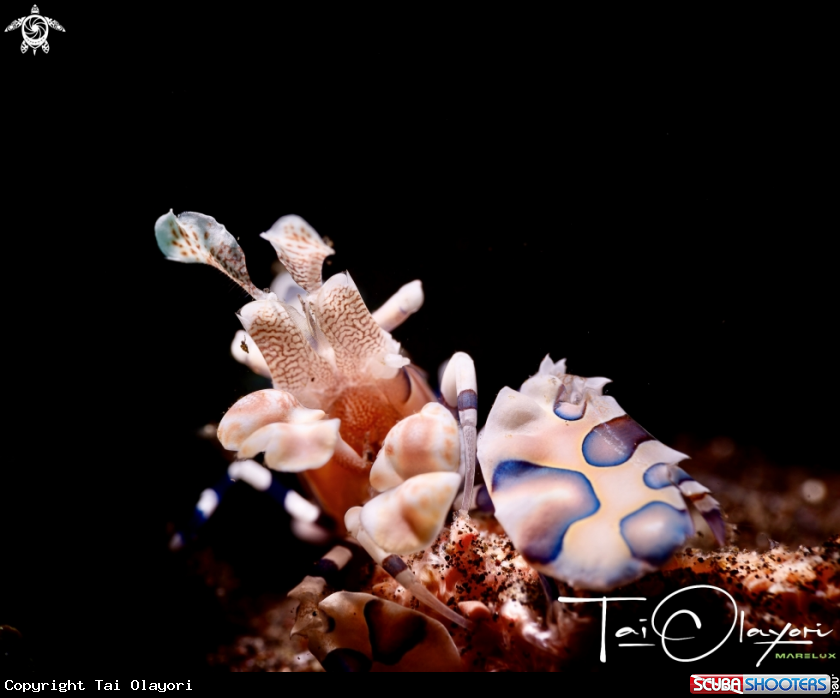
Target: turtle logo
35 28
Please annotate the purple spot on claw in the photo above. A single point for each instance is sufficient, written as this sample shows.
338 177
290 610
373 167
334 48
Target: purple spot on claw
614 442
656 476
554 499
656 531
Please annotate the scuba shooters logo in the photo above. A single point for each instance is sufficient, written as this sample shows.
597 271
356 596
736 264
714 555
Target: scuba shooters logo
35 28
761 684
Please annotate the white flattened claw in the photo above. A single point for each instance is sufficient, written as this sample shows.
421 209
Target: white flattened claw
300 249
511 412
407 518
287 348
565 465
258 409
292 448
252 358
361 345
422 443
399 307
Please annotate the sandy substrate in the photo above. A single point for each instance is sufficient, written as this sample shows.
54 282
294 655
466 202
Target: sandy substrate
781 565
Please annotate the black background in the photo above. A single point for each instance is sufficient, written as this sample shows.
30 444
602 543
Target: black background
656 207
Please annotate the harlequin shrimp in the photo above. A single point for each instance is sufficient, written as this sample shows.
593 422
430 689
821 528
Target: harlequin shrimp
589 474
585 495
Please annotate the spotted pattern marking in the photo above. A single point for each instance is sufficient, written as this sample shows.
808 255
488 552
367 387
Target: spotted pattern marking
614 442
656 531
292 362
556 498
194 237
230 259
656 476
300 249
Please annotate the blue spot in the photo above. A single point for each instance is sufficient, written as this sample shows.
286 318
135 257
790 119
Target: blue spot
544 524
661 475
510 470
467 400
513 471
569 412
656 531
565 409
656 476
614 442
